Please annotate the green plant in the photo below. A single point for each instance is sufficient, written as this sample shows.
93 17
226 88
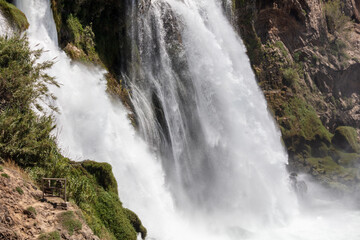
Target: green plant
5 175
24 135
291 76
50 236
1 168
69 222
31 210
19 190
337 21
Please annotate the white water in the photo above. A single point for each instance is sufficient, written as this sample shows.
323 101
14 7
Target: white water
5 27
243 192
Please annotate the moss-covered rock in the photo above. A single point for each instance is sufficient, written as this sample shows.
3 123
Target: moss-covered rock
14 15
107 22
103 174
346 138
136 222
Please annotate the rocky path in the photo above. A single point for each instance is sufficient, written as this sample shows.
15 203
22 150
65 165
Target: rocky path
24 216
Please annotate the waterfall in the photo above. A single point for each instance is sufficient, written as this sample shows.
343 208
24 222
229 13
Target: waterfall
209 163
210 115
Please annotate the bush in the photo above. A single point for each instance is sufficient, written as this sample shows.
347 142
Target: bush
291 76
31 210
50 236
68 221
1 168
24 136
19 190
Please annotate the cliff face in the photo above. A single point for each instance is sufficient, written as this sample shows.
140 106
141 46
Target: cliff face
306 55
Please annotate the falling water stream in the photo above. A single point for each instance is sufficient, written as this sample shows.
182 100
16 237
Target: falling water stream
209 163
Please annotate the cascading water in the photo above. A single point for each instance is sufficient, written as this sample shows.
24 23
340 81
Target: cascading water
212 116
220 173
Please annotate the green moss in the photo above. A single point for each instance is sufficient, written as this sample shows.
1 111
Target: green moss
103 174
50 236
136 222
303 121
19 190
345 138
114 217
14 15
324 165
69 222
347 159
5 175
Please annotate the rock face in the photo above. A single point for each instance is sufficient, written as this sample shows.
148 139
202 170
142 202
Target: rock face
24 216
306 55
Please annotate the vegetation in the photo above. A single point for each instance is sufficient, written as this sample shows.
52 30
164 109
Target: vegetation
25 138
19 190
345 138
14 15
1 168
103 175
31 210
5 175
337 21
82 46
50 236
136 222
69 222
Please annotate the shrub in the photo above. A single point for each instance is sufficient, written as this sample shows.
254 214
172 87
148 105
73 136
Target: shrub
31 210
69 222
1 168
291 76
19 190
50 236
24 136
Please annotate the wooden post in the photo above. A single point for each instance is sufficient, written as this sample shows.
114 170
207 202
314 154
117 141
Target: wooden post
65 191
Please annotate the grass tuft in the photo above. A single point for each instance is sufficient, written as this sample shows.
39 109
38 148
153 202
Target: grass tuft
50 236
69 222
19 190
